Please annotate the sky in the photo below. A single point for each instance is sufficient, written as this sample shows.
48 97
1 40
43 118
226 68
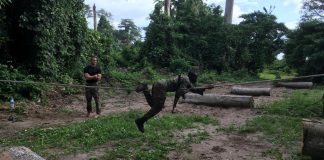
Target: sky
286 11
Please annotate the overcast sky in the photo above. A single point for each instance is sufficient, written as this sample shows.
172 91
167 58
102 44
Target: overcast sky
287 11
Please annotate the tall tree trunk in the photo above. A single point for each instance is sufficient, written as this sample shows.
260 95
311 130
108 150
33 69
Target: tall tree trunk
167 7
94 17
229 11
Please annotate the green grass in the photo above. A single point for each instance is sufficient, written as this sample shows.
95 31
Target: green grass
118 130
304 104
235 76
282 130
271 75
281 121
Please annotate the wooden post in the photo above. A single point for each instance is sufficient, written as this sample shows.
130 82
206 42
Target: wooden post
228 11
94 17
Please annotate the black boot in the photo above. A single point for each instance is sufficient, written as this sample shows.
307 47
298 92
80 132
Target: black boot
140 125
141 87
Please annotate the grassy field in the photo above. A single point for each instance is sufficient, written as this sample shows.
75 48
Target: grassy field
281 121
117 131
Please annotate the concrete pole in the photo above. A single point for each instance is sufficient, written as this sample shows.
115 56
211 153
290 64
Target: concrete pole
228 11
167 7
94 17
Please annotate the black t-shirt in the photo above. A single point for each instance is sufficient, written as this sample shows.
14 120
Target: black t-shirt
92 71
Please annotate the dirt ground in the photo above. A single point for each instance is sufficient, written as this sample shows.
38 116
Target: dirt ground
219 146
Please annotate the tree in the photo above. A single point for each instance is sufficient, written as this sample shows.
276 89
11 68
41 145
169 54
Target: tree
313 9
156 48
4 2
105 27
46 36
101 12
107 41
305 50
264 38
128 32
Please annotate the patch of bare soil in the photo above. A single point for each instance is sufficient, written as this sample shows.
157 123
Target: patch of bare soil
61 110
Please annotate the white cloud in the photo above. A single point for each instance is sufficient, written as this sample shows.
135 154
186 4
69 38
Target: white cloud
291 24
296 3
237 11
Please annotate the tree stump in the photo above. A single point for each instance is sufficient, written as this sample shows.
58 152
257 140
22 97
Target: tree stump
219 100
313 139
250 91
19 153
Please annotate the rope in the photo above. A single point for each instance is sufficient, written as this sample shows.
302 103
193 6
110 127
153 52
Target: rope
127 89
62 84
251 82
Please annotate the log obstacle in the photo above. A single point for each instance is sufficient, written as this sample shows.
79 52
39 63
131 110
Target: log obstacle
313 139
296 85
323 105
250 91
219 100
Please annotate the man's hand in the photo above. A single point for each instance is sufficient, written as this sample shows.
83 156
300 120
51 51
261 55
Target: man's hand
198 90
95 77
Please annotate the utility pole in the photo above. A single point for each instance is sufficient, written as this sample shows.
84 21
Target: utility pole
94 17
167 7
228 11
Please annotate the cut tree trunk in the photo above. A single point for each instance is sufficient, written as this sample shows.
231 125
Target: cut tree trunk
251 91
313 139
295 84
219 100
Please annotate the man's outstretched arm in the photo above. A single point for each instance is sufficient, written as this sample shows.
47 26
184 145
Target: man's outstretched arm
175 101
200 90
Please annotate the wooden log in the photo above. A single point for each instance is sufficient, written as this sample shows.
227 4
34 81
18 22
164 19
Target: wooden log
250 91
219 100
296 85
313 139
19 153
323 105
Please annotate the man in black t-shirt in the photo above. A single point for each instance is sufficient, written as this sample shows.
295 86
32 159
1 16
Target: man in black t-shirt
92 74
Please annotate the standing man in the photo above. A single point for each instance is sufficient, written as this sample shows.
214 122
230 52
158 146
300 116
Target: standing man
180 85
92 74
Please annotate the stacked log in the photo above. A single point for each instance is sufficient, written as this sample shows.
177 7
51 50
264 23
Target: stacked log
219 100
295 85
250 91
313 139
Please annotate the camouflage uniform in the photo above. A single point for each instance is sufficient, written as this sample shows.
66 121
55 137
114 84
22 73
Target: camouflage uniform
180 85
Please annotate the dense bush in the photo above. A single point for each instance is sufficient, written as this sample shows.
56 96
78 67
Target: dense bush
17 90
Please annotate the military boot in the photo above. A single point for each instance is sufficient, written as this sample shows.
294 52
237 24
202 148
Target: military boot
141 87
140 125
